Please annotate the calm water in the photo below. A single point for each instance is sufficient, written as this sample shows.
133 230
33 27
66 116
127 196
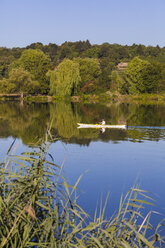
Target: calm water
112 161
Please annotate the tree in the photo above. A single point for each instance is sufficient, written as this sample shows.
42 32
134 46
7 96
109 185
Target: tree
104 50
37 63
23 81
37 45
3 69
118 83
81 46
19 81
106 70
65 78
92 52
89 70
142 76
6 86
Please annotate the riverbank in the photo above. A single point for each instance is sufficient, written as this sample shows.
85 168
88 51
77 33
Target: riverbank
95 98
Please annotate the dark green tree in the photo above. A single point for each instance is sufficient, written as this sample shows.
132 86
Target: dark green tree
89 71
106 70
118 83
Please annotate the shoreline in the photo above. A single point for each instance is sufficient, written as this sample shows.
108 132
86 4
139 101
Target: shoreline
99 98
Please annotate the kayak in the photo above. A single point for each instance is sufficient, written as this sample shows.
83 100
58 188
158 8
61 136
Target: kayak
83 125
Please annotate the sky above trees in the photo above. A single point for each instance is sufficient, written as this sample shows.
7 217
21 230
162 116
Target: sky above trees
23 22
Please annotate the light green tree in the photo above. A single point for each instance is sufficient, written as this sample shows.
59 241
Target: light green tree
38 64
19 81
142 76
6 86
65 78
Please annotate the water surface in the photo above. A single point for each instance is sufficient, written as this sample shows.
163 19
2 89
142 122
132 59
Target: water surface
110 161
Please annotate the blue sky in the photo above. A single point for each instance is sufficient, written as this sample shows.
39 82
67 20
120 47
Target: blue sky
23 22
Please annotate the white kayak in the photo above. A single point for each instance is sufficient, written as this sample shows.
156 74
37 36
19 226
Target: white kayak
83 125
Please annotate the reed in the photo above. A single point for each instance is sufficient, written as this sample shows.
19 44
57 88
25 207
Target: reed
39 209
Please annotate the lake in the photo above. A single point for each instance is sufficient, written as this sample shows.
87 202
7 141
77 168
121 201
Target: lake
110 161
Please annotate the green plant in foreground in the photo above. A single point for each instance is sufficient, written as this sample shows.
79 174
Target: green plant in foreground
39 209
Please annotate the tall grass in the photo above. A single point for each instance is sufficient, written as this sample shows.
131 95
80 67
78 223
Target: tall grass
39 209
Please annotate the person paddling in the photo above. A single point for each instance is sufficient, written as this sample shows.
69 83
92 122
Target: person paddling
103 122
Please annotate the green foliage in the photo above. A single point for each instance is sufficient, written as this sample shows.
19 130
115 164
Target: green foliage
160 67
106 70
4 66
3 69
142 76
36 46
118 83
19 81
37 63
6 86
89 71
38 59
92 52
65 78
20 78
7 56
23 81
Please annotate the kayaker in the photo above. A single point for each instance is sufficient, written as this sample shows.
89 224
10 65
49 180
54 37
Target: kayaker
103 122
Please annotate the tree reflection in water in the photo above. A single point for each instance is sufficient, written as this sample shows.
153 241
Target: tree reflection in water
30 121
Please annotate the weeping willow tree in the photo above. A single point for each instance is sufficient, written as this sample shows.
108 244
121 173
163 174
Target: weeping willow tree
65 78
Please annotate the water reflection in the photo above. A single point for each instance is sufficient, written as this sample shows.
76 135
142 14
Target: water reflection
113 166
30 121
27 122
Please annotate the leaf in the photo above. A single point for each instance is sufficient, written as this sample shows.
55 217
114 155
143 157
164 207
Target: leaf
142 201
42 206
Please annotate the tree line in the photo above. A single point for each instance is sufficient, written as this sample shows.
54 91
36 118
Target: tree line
76 68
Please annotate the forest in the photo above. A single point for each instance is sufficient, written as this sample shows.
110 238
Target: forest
79 68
